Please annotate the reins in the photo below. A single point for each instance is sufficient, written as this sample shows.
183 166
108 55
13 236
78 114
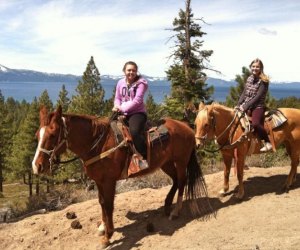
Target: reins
103 154
111 118
239 140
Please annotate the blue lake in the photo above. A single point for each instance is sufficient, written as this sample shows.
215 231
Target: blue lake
28 90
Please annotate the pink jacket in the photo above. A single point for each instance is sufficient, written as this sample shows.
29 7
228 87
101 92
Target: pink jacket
131 100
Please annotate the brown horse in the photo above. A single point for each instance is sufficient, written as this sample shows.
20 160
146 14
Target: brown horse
213 122
176 157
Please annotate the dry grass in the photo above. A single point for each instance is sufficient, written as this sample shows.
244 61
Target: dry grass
16 196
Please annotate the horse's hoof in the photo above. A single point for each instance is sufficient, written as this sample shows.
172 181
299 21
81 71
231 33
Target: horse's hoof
167 211
239 197
173 217
285 188
101 233
101 229
222 193
103 245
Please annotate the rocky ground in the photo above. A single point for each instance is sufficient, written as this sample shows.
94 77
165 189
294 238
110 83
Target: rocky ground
265 219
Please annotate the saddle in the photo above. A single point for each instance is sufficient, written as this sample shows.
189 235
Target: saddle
273 119
153 134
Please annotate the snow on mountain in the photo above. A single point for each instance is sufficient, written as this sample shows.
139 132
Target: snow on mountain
3 68
21 75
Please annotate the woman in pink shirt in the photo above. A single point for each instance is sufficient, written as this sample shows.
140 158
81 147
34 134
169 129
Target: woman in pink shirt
129 100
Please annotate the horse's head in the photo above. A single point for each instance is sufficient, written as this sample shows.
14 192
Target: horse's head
51 141
204 124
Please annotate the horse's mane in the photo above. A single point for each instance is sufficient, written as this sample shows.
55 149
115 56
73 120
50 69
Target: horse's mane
98 124
220 106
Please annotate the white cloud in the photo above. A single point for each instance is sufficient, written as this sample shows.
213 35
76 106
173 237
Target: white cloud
60 36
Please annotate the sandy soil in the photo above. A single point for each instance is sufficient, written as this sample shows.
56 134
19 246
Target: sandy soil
266 219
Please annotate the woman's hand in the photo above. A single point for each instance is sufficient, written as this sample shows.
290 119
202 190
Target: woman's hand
116 109
241 108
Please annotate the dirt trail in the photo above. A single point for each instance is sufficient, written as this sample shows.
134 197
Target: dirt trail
266 219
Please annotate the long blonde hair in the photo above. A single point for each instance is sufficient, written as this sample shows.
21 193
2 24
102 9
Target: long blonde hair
262 75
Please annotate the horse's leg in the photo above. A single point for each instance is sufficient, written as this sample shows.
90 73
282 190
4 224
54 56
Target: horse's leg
240 173
101 227
181 181
170 170
293 151
106 194
235 162
227 158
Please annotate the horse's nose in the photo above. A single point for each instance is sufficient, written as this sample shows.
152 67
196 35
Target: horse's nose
36 168
198 142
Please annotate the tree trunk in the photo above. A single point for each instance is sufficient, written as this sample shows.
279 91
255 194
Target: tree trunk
48 186
187 41
30 183
1 179
37 186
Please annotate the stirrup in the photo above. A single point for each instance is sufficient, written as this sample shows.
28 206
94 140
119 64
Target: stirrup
266 147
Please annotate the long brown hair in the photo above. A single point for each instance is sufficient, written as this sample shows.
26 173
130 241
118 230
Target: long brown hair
262 75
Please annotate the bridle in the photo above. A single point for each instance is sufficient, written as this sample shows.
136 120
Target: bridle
212 124
53 158
227 145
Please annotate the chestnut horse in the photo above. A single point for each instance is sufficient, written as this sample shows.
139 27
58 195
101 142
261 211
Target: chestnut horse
176 157
213 122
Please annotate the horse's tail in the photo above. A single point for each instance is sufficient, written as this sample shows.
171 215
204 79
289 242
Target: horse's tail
196 190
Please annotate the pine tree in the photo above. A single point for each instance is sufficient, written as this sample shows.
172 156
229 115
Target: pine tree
235 92
63 99
153 109
108 104
90 94
44 100
190 60
2 139
25 143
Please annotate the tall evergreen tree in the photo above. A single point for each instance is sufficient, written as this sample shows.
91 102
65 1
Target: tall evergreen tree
15 114
3 140
25 143
190 60
90 94
235 92
108 104
44 100
153 109
63 99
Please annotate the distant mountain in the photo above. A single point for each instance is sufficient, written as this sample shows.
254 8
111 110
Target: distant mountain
22 75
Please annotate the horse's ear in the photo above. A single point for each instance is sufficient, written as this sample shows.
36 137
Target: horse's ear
43 116
59 110
57 115
201 105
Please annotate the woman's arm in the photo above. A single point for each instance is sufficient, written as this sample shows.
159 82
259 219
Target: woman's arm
138 100
261 90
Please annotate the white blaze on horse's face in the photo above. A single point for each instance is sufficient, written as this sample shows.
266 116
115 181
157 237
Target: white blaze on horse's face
35 166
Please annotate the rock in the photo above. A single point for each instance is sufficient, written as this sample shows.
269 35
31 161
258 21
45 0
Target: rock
71 215
76 224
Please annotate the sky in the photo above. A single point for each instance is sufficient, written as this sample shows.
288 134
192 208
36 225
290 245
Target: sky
60 36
